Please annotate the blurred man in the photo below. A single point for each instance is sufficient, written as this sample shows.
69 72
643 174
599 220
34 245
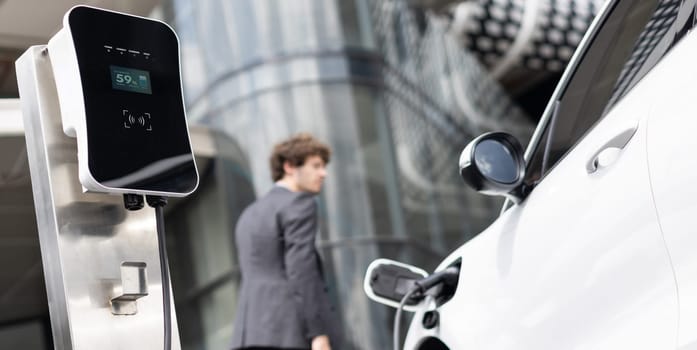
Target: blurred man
283 302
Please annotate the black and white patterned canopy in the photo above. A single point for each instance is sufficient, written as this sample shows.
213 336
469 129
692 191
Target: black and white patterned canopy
490 29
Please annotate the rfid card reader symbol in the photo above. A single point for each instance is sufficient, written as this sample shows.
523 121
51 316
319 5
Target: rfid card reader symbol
135 120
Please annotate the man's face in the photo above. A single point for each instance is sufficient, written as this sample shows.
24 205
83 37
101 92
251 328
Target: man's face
310 176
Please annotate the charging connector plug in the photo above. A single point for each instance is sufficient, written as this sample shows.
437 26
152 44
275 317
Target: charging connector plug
447 277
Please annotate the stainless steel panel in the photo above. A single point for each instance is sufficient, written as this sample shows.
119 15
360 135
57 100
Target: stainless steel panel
85 237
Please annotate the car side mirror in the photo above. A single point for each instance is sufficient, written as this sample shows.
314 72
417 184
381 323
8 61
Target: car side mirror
493 164
388 281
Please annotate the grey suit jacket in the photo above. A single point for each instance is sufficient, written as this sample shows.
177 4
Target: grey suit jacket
283 300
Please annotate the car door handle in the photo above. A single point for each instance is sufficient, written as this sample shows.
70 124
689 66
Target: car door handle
610 151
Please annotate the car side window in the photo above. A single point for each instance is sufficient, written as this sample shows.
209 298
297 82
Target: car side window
633 38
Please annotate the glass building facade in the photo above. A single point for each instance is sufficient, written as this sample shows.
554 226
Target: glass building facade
385 88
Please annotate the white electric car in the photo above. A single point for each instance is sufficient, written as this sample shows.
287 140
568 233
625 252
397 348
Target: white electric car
597 248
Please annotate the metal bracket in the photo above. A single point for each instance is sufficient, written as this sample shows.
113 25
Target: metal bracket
134 285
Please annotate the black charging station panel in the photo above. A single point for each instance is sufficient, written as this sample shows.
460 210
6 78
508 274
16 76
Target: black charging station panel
136 126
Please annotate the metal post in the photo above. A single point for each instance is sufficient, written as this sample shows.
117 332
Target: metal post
86 238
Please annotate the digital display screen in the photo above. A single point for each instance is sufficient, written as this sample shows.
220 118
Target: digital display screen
129 79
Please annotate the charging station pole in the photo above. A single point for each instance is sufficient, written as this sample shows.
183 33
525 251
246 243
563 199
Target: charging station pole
100 261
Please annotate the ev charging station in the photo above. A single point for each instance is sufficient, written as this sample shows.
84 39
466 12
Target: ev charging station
103 115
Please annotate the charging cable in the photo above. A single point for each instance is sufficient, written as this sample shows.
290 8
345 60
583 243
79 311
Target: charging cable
448 276
135 202
159 203
398 316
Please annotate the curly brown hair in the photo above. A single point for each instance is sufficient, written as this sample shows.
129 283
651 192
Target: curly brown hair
296 150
